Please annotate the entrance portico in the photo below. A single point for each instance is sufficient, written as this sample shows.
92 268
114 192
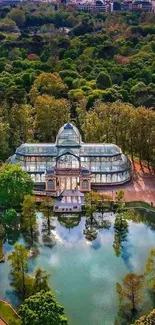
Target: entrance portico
57 180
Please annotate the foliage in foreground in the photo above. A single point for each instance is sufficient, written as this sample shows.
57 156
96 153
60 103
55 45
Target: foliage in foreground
28 220
134 292
23 283
14 184
146 320
150 273
42 308
130 296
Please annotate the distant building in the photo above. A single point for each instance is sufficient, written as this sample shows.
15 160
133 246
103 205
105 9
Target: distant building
137 5
105 6
126 5
9 2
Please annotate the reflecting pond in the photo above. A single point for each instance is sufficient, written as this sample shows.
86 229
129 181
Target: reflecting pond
86 257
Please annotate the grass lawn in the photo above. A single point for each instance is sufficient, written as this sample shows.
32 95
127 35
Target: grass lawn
139 204
7 313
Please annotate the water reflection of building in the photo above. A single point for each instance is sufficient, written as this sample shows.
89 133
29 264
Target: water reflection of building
71 164
70 200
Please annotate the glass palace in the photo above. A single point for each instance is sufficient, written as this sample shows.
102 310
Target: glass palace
72 164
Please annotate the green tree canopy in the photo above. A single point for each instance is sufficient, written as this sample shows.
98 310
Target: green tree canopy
14 184
51 114
41 280
47 83
103 81
18 260
18 16
42 308
28 221
150 273
130 294
9 217
7 24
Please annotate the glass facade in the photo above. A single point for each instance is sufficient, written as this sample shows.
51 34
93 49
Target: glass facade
106 162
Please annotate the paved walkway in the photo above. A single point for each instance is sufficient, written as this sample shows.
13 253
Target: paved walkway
2 322
142 188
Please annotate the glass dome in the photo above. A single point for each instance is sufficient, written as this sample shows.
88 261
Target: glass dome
68 136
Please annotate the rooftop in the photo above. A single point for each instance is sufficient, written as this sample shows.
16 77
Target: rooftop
68 140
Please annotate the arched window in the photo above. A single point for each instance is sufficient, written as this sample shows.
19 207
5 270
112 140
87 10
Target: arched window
51 184
68 161
85 184
33 177
97 178
104 179
38 178
109 178
42 177
119 178
114 178
127 175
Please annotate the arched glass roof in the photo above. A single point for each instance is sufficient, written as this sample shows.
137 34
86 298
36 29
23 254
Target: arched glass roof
68 135
105 149
36 149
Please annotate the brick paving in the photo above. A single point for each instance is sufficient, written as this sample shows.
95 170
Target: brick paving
142 188
2 322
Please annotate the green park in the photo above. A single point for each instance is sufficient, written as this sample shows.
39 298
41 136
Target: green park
77 166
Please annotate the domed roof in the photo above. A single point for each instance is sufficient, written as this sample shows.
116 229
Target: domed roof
68 135
99 3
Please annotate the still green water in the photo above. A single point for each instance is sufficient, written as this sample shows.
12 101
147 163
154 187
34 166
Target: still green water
84 273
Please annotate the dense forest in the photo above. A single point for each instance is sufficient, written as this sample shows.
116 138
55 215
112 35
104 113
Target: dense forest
97 70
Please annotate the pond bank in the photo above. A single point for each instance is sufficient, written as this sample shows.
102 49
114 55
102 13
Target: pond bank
8 314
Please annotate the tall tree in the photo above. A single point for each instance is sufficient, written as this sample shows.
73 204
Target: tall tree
120 233
18 16
150 274
18 260
4 140
47 211
130 293
132 129
14 184
47 83
21 125
92 200
51 114
40 280
28 222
